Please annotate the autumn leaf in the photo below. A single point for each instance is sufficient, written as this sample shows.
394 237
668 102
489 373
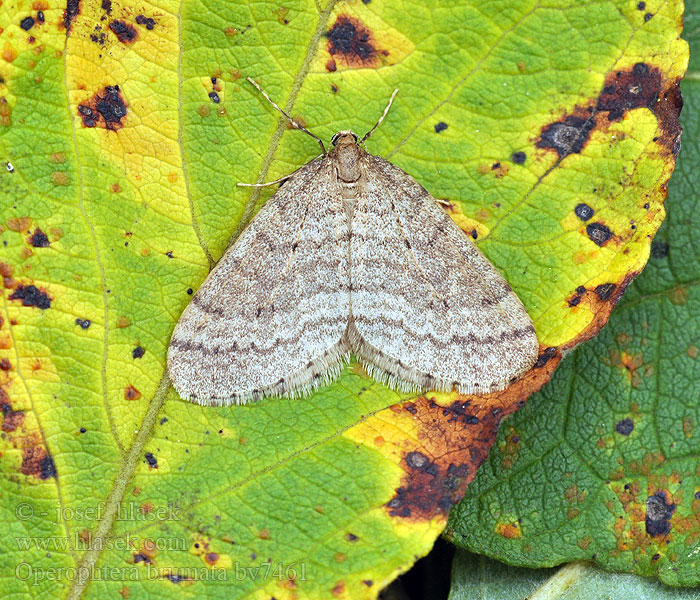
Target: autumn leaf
124 129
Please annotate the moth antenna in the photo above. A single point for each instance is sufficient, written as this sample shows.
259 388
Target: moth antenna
292 121
280 180
378 123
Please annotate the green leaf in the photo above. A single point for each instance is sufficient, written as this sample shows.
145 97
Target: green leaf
476 576
602 464
125 128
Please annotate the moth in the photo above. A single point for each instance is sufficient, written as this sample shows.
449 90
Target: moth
350 256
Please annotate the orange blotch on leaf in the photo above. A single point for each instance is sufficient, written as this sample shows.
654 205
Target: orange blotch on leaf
131 393
19 224
510 531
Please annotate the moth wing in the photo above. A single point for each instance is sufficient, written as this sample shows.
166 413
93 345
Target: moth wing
427 307
270 318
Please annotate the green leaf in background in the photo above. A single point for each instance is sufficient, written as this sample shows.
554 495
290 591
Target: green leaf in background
479 577
124 128
602 464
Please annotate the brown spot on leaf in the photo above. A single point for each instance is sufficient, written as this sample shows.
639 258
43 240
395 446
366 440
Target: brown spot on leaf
641 86
575 299
679 295
499 169
599 233
660 508
510 531
454 442
37 462
38 239
351 43
131 393
12 419
72 10
338 588
567 136
626 90
125 32
6 121
106 109
19 224
545 356
30 295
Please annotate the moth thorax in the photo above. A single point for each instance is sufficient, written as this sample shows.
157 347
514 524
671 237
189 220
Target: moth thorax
347 154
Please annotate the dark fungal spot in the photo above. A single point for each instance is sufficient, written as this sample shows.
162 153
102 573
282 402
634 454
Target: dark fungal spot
40 16
647 17
575 300
624 426
331 67
334 88
190 291
660 509
12 419
598 233
27 23
151 460
125 33
416 460
659 249
626 90
518 157
352 43
83 430
164 420
105 109
583 211
567 136
605 290
146 21
441 126
38 239
98 38
175 578
214 97
107 6
351 537
141 557
83 323
37 462
545 357
72 10
580 290
30 295
641 5
169 254
138 352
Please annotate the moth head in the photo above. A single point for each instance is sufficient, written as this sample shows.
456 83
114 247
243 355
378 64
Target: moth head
344 138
